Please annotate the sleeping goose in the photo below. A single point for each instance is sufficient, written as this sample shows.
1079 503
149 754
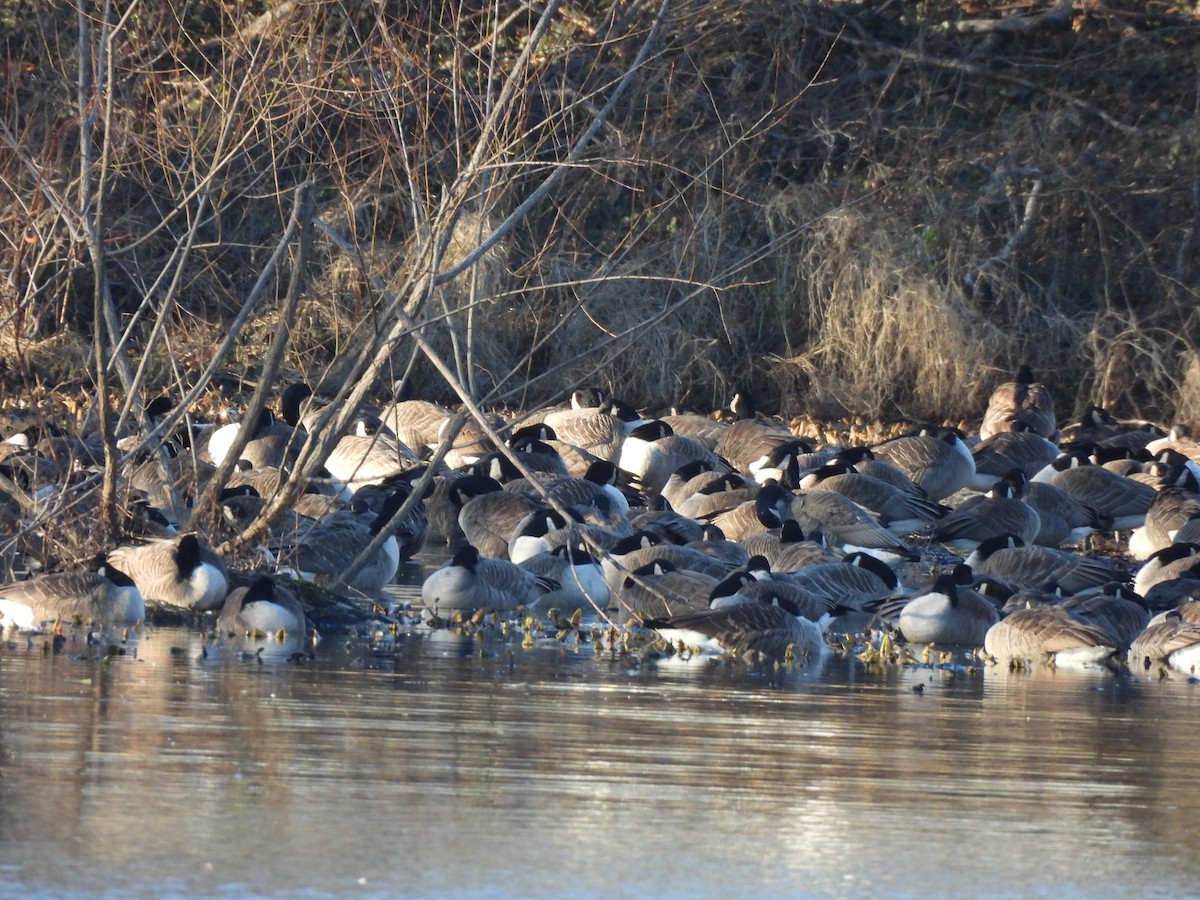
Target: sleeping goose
768 627
104 596
469 582
178 573
748 441
652 452
1169 642
1008 557
1004 451
1048 635
322 551
599 430
949 613
1121 500
898 510
262 608
660 589
936 460
580 580
997 512
1025 399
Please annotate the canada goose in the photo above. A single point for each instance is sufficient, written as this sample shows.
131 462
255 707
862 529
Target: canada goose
68 452
651 452
469 582
1169 510
1061 518
705 429
1137 438
241 505
1188 610
642 549
668 525
535 454
1007 450
1172 468
1121 461
316 504
599 430
164 476
105 596
756 584
363 457
847 525
601 519
770 628
298 406
19 441
770 506
488 520
1048 594
600 479
1179 439
324 550
1024 399
576 459
262 608
471 443
1116 609
142 519
541 531
789 462
1095 425
660 589
1172 594
1120 500
359 459
273 443
997 512
715 544
786 549
854 582
416 423
1050 635
717 496
266 481
451 490
390 495
1006 556
36 474
936 460
177 573
586 397
749 440
1169 643
1171 562
690 479
899 511
581 583
950 613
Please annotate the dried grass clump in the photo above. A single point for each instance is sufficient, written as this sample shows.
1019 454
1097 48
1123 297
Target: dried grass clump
1188 409
61 359
880 333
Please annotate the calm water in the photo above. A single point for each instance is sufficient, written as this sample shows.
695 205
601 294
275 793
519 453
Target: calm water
439 768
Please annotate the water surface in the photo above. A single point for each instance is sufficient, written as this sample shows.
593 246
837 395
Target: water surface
431 766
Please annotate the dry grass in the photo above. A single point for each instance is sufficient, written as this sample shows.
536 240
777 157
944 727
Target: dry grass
869 212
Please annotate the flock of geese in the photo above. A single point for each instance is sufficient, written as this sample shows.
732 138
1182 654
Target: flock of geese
731 537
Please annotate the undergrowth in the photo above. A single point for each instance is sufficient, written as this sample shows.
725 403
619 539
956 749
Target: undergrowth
850 208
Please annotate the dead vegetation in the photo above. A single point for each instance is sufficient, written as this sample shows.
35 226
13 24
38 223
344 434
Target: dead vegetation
869 208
